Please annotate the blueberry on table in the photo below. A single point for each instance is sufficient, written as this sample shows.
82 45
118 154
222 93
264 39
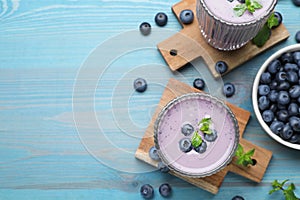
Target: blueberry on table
237 198
140 84
296 2
153 153
161 19
279 18
228 89
165 190
187 129
274 66
287 132
263 103
145 28
297 35
268 116
277 127
221 67
286 57
163 167
147 191
186 16
263 89
199 83
211 137
201 148
185 145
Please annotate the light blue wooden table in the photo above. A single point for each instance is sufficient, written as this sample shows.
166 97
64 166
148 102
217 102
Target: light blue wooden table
70 120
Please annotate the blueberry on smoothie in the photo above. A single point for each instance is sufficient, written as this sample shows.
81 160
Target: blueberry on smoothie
185 145
202 148
187 129
212 136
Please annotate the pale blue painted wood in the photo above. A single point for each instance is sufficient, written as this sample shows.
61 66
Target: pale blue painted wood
43 45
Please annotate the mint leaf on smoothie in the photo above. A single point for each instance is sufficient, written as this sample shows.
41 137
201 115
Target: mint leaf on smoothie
240 9
205 124
196 139
249 5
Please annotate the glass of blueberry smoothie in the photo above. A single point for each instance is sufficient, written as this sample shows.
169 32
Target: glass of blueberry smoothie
230 24
196 135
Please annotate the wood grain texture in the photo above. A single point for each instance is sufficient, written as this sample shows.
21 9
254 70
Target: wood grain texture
43 45
212 183
190 45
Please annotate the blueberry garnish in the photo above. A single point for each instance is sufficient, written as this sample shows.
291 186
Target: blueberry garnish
211 137
297 35
201 148
161 19
163 167
199 83
153 153
147 191
145 28
140 84
187 129
185 145
228 89
221 67
241 1
186 16
237 198
165 190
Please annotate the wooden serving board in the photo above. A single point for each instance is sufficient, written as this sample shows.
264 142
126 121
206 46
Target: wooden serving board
212 183
189 45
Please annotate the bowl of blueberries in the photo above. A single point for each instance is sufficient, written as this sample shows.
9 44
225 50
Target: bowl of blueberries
276 96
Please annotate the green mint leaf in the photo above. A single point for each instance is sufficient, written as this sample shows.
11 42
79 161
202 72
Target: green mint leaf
262 37
250 153
206 120
196 140
239 151
251 9
289 195
205 124
272 21
256 5
244 158
248 3
240 9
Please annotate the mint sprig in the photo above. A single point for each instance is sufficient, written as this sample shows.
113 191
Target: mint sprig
244 158
196 140
205 124
249 5
288 191
265 33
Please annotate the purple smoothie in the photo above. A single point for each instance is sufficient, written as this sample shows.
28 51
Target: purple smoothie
191 109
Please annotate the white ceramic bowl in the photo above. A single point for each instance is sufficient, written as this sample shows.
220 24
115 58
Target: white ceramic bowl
277 54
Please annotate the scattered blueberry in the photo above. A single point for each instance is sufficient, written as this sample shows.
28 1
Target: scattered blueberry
297 36
296 2
199 83
268 116
140 84
163 167
274 66
147 191
221 67
201 148
186 16
187 129
237 198
161 19
279 18
211 137
263 90
228 89
145 28
286 57
165 190
153 153
185 145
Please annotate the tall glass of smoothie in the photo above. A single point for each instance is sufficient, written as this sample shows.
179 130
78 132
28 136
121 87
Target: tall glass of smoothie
223 29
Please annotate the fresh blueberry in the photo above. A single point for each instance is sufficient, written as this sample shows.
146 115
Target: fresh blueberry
273 85
268 116
296 56
282 115
165 190
287 132
263 103
292 76
145 28
296 2
297 36
286 57
211 137
291 66
263 90
140 84
199 83
201 148
283 98
281 107
147 191
283 85
186 16
265 78
295 123
281 76
277 127
295 139
228 89
273 108
237 198
185 145
153 153
187 129
163 167
279 18
293 109
274 66
242 1
294 91
273 95
161 19
221 67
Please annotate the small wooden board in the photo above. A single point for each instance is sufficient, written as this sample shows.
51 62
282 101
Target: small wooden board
189 45
212 183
